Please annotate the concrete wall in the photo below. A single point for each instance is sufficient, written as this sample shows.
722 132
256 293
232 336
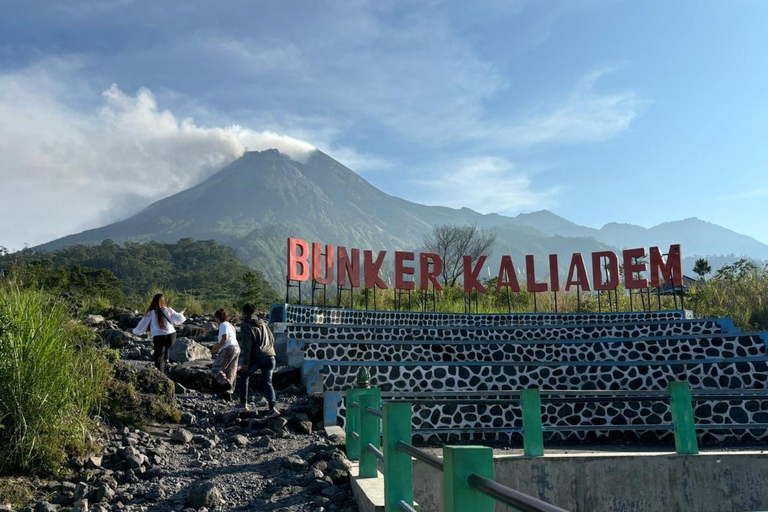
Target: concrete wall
712 482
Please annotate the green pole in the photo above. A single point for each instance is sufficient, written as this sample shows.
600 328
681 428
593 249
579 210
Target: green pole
353 423
459 462
533 437
369 433
682 417
398 469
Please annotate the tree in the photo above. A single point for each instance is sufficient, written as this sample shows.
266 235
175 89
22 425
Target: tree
452 242
701 268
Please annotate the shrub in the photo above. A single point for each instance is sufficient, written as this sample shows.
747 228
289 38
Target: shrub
52 377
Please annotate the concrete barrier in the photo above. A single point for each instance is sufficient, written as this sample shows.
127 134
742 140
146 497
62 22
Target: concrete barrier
631 482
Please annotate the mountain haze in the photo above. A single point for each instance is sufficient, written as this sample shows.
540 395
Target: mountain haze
262 198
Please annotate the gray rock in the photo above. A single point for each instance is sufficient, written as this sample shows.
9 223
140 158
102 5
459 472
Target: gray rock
67 487
94 320
301 423
330 491
205 495
44 506
277 424
195 375
5 508
80 506
103 494
239 440
180 390
294 462
317 486
181 436
116 338
93 462
81 491
339 476
262 442
186 350
339 462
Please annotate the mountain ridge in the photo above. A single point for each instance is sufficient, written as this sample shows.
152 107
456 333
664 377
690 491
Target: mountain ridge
258 200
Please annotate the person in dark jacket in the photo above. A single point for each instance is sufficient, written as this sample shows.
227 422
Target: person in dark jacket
257 352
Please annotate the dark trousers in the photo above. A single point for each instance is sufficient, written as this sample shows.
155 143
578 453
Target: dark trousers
267 366
162 345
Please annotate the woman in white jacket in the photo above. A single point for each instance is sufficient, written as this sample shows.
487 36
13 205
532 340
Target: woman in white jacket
159 320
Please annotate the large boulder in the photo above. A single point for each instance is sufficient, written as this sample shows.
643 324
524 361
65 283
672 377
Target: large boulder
205 495
195 375
141 393
128 320
185 350
117 338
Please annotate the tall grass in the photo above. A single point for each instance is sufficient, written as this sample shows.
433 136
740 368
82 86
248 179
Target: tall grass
52 377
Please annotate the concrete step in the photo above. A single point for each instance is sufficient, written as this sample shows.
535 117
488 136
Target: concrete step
503 333
321 315
737 373
545 351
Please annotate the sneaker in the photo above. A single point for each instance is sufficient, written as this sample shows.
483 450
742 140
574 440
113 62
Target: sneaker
274 413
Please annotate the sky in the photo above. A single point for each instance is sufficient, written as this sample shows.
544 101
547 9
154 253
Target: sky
599 111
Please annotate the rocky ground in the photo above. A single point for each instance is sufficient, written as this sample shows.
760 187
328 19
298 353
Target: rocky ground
216 457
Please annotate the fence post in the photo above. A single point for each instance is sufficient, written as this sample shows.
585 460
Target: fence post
682 418
352 423
533 437
369 433
398 468
459 462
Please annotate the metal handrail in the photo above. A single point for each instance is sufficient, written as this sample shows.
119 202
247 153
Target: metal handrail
510 496
737 426
427 458
355 435
603 399
375 451
374 411
405 507
595 428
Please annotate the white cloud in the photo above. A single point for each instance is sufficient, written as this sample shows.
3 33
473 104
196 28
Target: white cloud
489 185
65 166
585 116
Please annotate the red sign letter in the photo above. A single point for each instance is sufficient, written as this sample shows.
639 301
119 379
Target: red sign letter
530 274
669 271
346 267
577 265
401 270
425 275
371 270
597 270
327 277
507 268
554 275
470 275
631 268
299 259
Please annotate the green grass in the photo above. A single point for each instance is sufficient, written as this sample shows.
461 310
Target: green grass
52 378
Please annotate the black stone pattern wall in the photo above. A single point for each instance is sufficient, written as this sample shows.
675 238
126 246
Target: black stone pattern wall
569 352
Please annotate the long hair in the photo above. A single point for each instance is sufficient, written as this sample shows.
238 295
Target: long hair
157 305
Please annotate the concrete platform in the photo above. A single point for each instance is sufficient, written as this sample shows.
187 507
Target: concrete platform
733 481
369 492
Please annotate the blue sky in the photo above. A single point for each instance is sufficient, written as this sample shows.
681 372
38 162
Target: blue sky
601 111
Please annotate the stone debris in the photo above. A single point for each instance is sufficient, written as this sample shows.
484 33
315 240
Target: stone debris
218 458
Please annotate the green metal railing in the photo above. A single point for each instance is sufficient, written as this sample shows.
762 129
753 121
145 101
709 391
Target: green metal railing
468 470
